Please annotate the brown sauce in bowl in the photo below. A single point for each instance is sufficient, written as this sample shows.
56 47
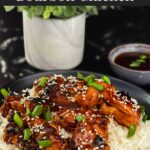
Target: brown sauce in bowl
126 59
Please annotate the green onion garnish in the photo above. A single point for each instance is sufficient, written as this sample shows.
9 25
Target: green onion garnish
42 81
4 92
131 130
80 76
106 79
27 134
48 115
96 86
79 118
142 57
143 114
28 112
138 62
87 78
90 80
37 110
145 117
44 143
135 64
20 148
142 110
17 119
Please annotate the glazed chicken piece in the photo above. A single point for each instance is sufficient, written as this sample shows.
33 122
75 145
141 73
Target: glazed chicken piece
11 135
124 109
86 134
120 117
75 93
67 98
11 102
87 137
71 93
41 130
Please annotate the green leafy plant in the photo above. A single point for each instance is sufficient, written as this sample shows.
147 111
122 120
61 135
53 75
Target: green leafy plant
47 12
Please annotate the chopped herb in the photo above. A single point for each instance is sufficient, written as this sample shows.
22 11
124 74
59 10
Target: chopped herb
142 110
42 81
143 114
37 110
135 64
27 134
79 118
17 119
80 76
87 78
4 92
1 121
9 90
90 78
131 130
48 115
145 117
138 62
96 86
28 112
106 79
44 143
142 57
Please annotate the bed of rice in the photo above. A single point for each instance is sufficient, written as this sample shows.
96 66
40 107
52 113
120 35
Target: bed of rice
117 135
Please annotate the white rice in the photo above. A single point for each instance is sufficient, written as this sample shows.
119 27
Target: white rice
3 145
118 137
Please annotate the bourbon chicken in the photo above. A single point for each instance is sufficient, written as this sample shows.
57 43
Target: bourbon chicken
69 113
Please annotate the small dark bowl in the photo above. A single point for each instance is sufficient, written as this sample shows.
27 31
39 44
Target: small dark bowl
139 77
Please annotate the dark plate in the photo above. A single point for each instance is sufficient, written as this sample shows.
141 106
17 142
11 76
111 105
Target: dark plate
142 96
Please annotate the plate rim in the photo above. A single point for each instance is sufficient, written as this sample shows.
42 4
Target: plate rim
73 71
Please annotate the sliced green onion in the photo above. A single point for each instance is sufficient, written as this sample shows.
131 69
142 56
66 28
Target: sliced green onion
140 60
91 77
47 115
28 112
17 119
143 57
79 118
145 117
37 110
20 148
96 86
9 90
87 78
44 143
90 80
106 79
131 130
135 64
142 108
4 92
42 81
1 121
143 114
27 134
80 76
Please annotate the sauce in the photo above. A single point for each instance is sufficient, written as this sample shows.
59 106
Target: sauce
126 59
